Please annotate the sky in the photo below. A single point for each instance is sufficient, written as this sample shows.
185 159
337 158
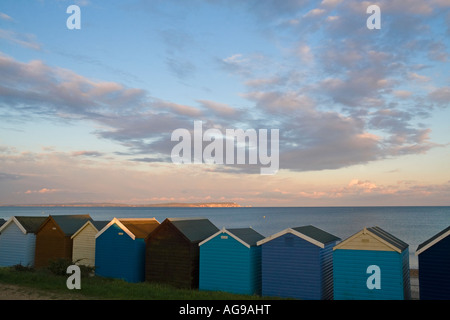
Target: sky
87 115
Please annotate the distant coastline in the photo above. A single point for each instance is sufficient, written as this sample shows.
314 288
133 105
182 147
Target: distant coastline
169 204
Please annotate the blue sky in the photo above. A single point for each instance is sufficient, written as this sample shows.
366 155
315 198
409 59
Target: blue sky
86 115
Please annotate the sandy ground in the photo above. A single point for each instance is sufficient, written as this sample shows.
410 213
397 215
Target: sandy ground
13 292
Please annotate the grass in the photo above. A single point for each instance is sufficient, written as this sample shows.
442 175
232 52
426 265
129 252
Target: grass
93 287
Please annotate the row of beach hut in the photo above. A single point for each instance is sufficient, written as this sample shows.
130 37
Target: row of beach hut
302 262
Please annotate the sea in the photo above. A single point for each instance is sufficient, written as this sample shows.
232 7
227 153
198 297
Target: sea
411 224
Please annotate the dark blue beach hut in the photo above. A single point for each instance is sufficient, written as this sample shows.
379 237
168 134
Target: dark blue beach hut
230 261
297 263
371 265
434 267
120 248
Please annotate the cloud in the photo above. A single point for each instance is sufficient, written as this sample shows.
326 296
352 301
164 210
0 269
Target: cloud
5 17
340 94
24 40
9 176
42 191
441 96
87 153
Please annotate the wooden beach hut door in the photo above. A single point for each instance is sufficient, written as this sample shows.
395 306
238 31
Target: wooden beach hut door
51 244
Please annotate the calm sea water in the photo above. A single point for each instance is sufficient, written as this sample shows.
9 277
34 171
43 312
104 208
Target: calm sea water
413 225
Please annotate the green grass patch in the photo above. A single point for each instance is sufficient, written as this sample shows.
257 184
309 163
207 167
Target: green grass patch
93 287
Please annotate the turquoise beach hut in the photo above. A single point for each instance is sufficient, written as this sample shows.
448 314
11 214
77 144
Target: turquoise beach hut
230 261
18 240
371 265
298 263
120 248
434 267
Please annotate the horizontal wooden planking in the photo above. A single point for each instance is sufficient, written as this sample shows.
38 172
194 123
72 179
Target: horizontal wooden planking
84 246
119 256
291 267
434 271
227 265
350 274
16 247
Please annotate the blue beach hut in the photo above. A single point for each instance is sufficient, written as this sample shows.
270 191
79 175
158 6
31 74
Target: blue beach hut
18 240
120 248
230 261
434 267
297 263
371 265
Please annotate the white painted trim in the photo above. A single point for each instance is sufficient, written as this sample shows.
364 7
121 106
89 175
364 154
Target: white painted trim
227 232
348 239
121 226
365 231
84 226
10 220
294 232
432 243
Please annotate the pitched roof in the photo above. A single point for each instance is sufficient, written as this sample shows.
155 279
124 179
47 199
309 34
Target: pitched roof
394 241
433 240
381 236
194 229
70 224
309 233
31 224
134 227
25 224
140 227
247 236
98 225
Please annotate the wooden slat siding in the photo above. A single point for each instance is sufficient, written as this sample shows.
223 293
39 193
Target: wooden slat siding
434 271
255 269
84 246
291 268
365 242
405 273
169 258
16 247
350 274
326 267
51 244
119 256
228 265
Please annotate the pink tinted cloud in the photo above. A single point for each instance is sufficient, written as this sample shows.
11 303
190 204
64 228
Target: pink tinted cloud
43 190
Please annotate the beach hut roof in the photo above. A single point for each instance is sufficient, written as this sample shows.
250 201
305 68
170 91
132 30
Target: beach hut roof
247 236
433 240
69 224
194 229
379 234
309 233
97 225
25 224
134 227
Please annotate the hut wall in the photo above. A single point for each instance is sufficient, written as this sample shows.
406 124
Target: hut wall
434 271
350 274
51 244
16 247
171 258
228 265
83 251
291 267
117 255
